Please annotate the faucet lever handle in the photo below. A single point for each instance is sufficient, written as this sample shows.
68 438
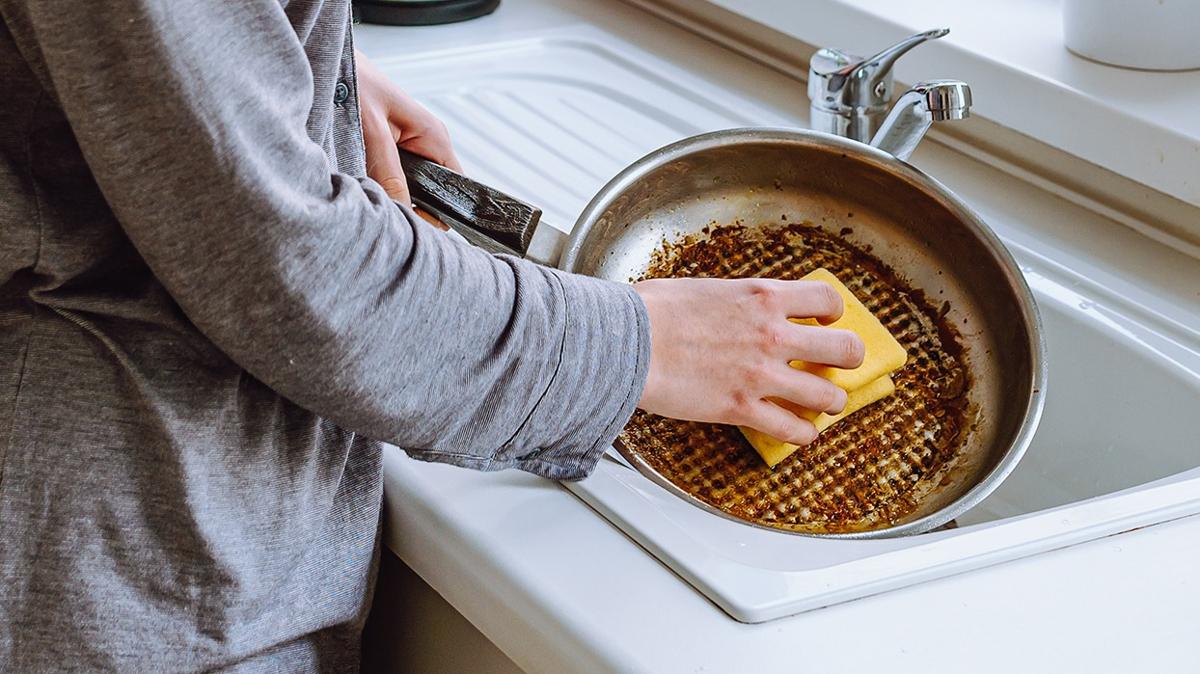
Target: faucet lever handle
880 65
852 87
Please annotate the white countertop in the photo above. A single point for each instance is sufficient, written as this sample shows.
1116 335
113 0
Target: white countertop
559 589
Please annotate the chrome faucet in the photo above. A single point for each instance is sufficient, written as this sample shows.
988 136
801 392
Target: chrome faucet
919 107
850 97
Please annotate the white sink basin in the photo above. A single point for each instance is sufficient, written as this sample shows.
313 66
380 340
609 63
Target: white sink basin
1118 446
1120 412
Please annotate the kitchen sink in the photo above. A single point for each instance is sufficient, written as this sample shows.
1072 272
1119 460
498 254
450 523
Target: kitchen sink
1118 448
1119 443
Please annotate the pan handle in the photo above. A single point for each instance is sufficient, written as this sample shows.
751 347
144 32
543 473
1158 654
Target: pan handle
484 216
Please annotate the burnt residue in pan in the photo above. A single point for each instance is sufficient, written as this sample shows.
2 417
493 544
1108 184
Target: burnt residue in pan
875 467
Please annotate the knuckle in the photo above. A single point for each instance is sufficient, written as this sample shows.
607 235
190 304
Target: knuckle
771 337
825 396
775 429
852 349
804 341
804 434
393 185
737 406
840 398
392 182
763 294
829 298
755 379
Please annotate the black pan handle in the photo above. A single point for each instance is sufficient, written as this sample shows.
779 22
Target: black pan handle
484 216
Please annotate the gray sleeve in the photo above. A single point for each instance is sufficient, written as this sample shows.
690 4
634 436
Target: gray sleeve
191 116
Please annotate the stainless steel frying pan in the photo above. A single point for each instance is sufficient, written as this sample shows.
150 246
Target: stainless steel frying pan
908 220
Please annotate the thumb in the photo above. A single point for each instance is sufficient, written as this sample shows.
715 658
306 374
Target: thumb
383 162
396 187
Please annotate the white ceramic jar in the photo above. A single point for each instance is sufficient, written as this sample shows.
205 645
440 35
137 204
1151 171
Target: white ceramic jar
1148 34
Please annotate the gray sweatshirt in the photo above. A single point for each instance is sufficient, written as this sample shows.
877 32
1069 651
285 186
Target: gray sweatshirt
209 318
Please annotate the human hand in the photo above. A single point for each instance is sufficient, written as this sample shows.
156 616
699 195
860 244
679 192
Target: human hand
720 350
391 117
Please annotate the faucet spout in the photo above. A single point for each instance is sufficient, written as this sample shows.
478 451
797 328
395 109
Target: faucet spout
927 102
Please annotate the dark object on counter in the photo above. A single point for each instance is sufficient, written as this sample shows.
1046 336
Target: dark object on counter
421 12
487 218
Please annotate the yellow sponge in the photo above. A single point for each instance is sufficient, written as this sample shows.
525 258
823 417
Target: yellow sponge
773 451
863 385
884 354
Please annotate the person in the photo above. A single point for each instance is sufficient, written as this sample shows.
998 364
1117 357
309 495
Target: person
216 304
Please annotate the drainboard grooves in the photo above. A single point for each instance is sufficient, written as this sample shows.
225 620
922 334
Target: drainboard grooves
873 469
490 107
561 126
